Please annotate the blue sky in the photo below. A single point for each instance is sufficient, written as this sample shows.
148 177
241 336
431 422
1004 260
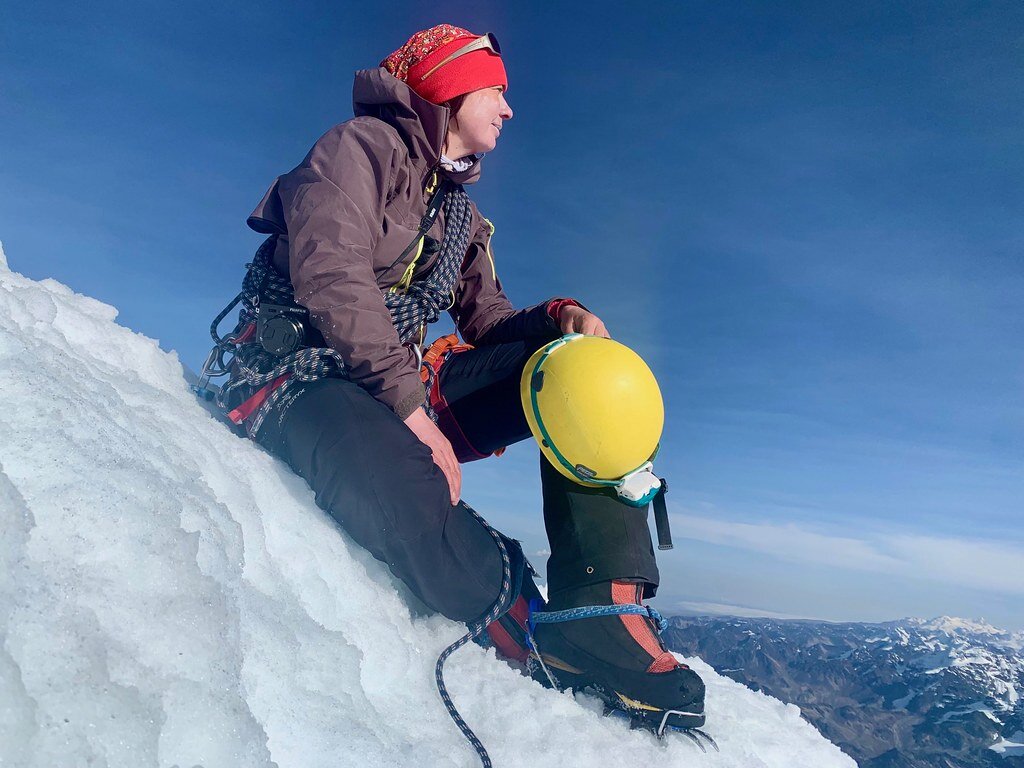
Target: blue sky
806 216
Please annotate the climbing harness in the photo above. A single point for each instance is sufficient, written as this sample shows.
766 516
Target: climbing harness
434 357
272 345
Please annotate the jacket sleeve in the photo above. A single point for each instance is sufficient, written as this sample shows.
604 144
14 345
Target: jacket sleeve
482 311
333 205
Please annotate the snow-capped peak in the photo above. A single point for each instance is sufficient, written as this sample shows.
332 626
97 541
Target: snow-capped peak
952 625
969 631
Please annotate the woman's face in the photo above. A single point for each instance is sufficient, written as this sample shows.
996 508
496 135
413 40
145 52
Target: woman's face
477 123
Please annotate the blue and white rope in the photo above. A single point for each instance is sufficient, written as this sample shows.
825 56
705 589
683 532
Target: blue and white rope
591 611
500 607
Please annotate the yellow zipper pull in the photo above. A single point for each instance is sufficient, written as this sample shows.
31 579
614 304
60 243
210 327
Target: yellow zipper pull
494 272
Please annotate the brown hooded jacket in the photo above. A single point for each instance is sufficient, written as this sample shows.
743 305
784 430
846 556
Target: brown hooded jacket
345 215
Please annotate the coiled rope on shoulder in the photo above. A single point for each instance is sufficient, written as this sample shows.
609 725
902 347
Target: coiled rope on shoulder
420 305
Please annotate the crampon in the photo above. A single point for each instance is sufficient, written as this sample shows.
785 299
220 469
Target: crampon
662 723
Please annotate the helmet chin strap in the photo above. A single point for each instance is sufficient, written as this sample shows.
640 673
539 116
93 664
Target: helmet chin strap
641 487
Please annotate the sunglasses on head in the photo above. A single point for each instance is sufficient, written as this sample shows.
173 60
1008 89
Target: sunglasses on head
486 42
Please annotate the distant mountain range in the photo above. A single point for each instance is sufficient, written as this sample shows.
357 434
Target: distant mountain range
944 693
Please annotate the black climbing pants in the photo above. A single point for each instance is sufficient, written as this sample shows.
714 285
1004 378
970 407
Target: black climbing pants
374 476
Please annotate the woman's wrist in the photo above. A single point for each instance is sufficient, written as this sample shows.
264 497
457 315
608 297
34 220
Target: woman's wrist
555 307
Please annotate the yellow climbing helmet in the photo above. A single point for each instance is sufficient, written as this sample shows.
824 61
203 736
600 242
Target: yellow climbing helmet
595 409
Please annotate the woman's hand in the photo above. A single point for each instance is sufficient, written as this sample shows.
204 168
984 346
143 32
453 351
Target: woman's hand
578 320
444 456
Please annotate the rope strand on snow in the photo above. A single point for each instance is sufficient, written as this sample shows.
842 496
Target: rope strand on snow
500 607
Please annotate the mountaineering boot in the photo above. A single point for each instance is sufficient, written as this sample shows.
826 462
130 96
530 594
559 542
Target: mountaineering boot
621 657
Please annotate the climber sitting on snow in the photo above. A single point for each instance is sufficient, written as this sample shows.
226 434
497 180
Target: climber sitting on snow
371 237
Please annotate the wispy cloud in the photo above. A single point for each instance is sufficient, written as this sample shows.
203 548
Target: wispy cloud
980 563
730 609
972 563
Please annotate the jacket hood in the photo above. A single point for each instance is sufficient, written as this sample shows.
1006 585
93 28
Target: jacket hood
420 123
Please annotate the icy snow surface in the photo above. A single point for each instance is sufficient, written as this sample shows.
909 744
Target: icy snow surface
171 596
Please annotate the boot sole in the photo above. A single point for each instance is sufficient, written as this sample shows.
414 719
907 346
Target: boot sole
657 719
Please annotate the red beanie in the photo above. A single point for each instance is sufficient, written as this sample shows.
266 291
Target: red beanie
425 50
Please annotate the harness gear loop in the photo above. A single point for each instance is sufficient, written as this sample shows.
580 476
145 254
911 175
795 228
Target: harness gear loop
215 366
437 353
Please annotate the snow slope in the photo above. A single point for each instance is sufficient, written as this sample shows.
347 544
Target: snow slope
171 596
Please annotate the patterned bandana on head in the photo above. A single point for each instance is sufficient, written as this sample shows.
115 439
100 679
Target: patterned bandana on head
414 64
